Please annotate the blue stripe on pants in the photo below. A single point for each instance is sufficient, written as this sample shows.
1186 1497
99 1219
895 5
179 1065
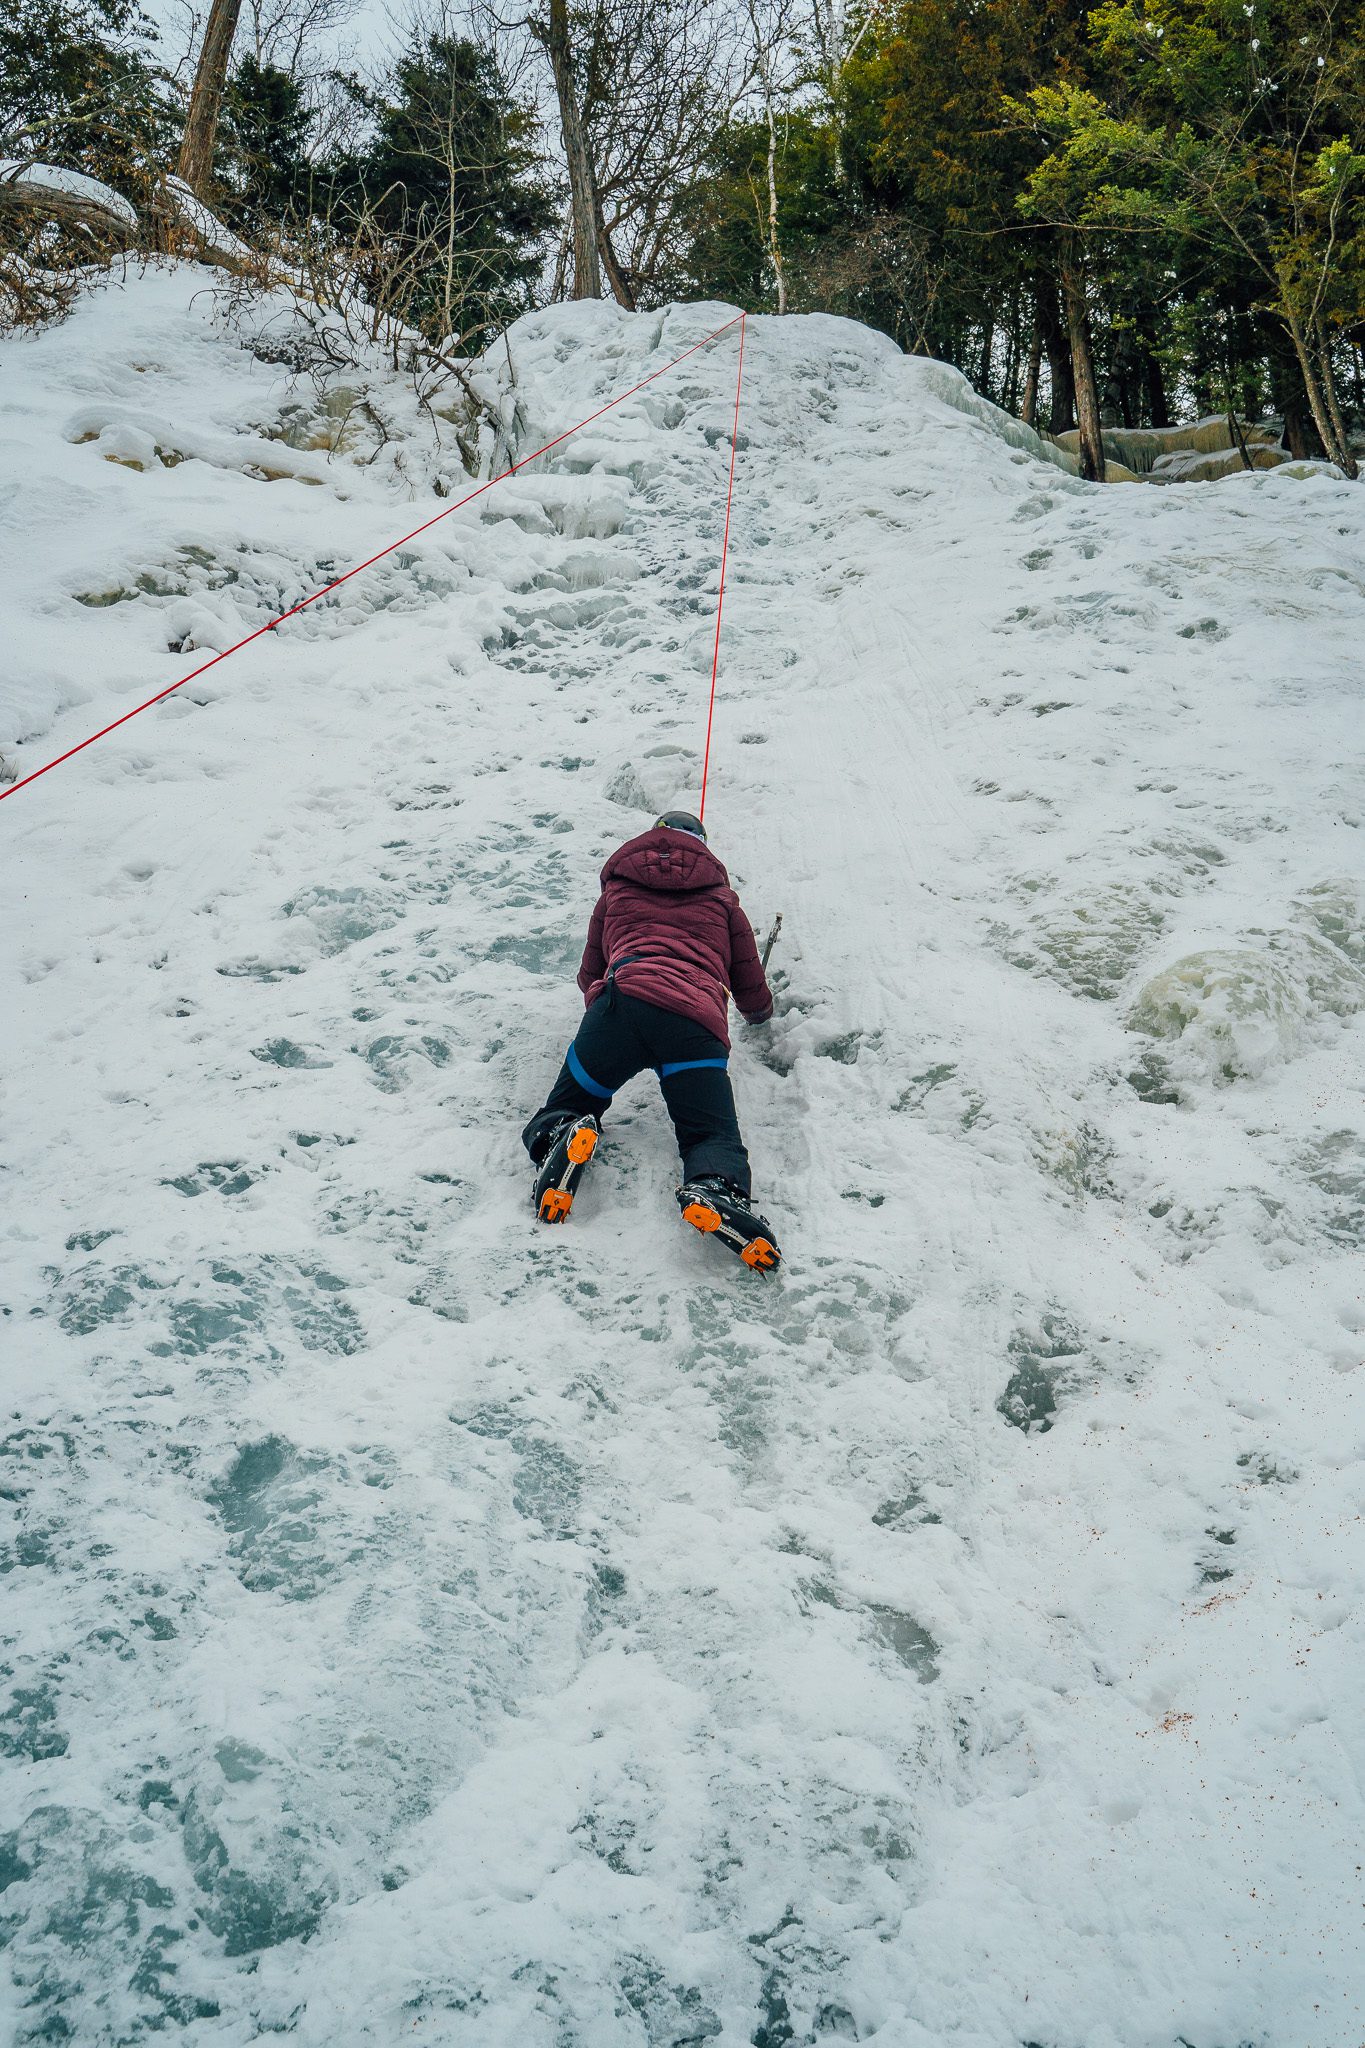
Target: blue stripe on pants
585 1079
619 1039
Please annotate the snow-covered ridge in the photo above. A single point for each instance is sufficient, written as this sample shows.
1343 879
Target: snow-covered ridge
421 1627
201 223
191 223
92 193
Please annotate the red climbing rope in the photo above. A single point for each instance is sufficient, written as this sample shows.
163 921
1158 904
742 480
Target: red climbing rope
369 563
724 551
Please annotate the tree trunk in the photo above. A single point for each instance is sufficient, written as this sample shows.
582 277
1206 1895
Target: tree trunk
1239 438
1329 393
774 245
206 98
1295 436
616 277
559 283
1009 390
1082 361
1287 394
583 208
983 382
1062 417
1322 419
20 196
1158 405
1123 389
1028 410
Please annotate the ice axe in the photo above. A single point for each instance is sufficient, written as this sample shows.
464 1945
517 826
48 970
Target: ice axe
771 941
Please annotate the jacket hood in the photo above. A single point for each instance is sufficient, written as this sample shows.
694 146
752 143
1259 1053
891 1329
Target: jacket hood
664 859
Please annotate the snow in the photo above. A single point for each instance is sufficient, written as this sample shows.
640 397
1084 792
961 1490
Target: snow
74 184
419 1626
189 210
202 222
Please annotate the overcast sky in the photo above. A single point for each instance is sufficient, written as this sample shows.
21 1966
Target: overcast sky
368 38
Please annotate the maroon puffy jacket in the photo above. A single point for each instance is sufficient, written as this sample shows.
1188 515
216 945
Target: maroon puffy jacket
670 925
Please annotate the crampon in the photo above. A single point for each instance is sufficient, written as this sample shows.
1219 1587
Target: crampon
563 1167
719 1210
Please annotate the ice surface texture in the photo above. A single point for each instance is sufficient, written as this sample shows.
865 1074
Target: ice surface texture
422 1628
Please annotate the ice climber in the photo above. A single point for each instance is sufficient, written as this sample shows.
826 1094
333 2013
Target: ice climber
667 946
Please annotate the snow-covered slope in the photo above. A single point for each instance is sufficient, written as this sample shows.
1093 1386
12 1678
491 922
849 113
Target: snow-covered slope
422 1627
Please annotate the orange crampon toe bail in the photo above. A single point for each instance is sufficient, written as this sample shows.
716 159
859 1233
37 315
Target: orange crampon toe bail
582 1145
563 1168
727 1217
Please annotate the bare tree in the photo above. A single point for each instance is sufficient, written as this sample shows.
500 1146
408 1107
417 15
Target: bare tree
767 38
429 232
297 36
774 244
642 89
828 33
666 77
206 97
584 208
293 34
888 262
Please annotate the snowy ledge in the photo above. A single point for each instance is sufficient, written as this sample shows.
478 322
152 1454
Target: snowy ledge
200 222
50 187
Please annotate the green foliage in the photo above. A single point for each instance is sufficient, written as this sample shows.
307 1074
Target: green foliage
1135 202
1255 171
1201 161
263 145
1232 129
854 238
450 196
79 86
725 218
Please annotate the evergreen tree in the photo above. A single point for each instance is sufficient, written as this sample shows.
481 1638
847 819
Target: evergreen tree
1151 206
79 86
450 197
1235 128
263 145
724 217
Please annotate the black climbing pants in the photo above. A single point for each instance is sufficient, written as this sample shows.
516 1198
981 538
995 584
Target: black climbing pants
619 1037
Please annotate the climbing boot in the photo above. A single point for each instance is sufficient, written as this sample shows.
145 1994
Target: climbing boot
719 1209
563 1167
